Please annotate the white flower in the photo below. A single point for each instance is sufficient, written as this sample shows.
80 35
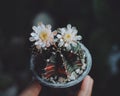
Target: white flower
42 36
68 36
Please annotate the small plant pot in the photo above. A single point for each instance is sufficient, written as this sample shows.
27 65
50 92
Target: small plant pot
64 85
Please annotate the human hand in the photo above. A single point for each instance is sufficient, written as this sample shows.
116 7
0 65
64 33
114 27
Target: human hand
32 90
86 87
85 90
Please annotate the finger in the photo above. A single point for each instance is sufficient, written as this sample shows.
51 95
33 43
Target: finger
33 90
86 87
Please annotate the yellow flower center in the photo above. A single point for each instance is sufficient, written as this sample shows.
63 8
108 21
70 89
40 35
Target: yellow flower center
67 37
43 36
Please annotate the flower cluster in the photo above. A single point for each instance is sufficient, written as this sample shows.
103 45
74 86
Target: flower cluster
44 37
62 58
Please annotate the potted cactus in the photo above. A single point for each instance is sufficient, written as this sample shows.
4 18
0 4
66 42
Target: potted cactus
58 59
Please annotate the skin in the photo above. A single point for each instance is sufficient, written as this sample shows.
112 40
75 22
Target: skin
85 89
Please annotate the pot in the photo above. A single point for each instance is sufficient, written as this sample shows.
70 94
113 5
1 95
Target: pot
65 85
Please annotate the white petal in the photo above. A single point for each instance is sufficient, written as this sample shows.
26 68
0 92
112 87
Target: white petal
68 47
38 29
60 44
74 32
49 26
69 26
31 39
59 36
66 44
61 40
38 46
74 44
33 34
74 28
42 44
37 43
42 26
55 40
36 38
62 31
48 44
34 28
79 37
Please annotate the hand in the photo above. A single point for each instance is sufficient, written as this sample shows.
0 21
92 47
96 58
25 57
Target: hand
85 90
32 90
86 87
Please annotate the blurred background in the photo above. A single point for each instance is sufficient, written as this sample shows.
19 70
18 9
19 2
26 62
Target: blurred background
98 21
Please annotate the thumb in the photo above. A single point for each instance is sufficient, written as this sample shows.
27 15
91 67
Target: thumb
33 90
86 87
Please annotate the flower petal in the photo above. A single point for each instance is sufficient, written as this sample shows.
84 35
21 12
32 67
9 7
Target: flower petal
43 44
47 44
68 47
37 43
59 36
66 44
69 26
42 26
42 30
74 44
62 31
60 44
48 26
33 34
79 37
38 46
32 39
36 37
34 28
74 32
61 40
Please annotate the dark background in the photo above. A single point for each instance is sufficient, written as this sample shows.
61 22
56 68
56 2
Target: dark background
98 21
